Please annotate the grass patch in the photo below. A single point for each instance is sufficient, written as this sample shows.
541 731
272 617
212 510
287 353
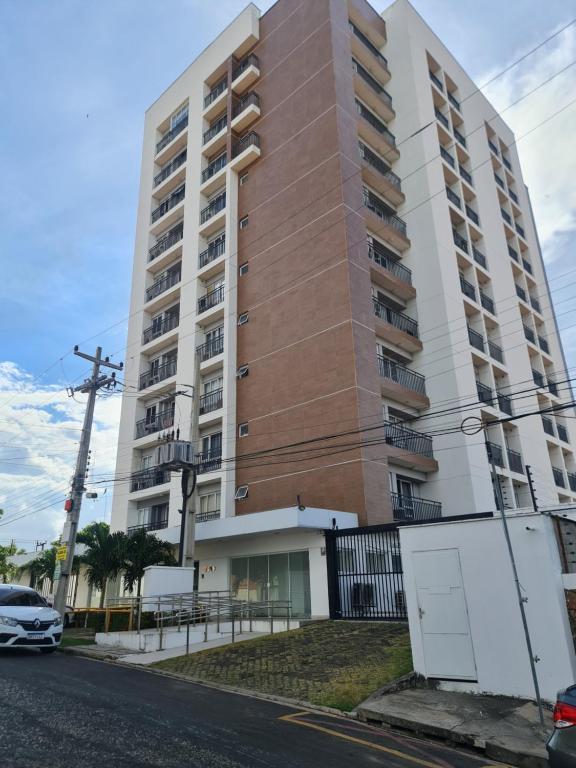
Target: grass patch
75 636
330 663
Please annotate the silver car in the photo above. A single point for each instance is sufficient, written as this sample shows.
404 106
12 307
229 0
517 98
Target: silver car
562 744
26 620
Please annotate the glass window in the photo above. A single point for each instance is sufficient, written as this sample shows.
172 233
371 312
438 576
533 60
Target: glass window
346 560
210 502
376 562
239 578
282 576
299 569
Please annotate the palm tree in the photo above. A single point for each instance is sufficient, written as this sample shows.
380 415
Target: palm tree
144 549
43 567
104 557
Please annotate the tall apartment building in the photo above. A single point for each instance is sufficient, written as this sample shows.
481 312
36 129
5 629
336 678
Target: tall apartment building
334 251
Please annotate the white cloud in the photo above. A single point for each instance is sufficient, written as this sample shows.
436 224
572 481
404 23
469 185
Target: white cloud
39 432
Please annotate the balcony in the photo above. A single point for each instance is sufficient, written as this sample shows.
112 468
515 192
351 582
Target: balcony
396 278
169 169
453 197
487 303
211 214
506 216
378 174
170 135
538 379
520 230
572 481
380 137
552 386
211 299
368 45
527 266
245 151
175 198
410 508
520 292
166 241
210 177
495 454
504 403
562 433
460 241
515 462
411 442
485 394
204 517
216 92
213 252
479 257
559 477
493 147
211 461
499 181
211 402
513 254
402 323
404 377
454 101
495 352
156 525
148 478
445 155
377 254
436 80
543 344
160 327
467 289
210 349
149 426
535 304
507 163
163 283
217 128
513 195
459 137
372 91
472 215
465 175
245 112
548 426
245 73
529 334
396 228
442 118
476 339
157 374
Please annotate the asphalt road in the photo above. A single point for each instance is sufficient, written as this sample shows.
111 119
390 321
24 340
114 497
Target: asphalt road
63 711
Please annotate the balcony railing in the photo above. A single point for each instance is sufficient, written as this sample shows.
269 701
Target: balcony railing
465 175
376 162
408 439
453 197
548 426
381 210
485 394
214 167
172 133
453 100
390 369
493 147
249 61
410 508
166 241
506 216
467 289
148 478
210 349
535 304
460 241
513 254
372 82
379 256
149 426
249 140
163 283
538 378
436 80
214 207
499 181
527 266
487 302
496 454
513 195
479 257
476 339
211 402
505 403
443 119
572 481
562 433
559 477
520 292
520 229
157 329
459 137
368 44
515 461
211 253
211 461
445 155
215 92
376 123
204 517
543 344
211 299
552 387
529 334
472 215
169 169
215 129
155 375
251 99
495 351
156 525
507 163
176 197
397 319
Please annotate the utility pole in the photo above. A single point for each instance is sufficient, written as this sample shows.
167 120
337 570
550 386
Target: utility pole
90 386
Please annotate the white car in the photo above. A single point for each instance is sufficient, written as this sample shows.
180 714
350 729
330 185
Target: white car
26 620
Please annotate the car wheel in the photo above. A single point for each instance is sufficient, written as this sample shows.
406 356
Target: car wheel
48 650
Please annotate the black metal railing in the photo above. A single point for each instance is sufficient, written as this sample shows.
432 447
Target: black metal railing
527 266
213 207
214 167
562 433
154 375
148 478
459 137
487 302
513 254
172 133
251 139
506 216
445 155
453 100
376 86
376 162
520 229
436 80
535 304
164 282
443 119
176 197
383 212
499 181
376 123
172 166
217 127
377 253
211 461
476 339
390 369
249 100
368 44
211 299
410 508
408 439
472 215
515 461
465 175
159 328
559 477
529 334
210 348
204 517
250 61
156 525
504 403
485 394
520 292
493 147
453 197
538 378
495 351
513 195
543 344
151 425
460 241
211 253
467 288
479 257
395 318
572 481
552 387
219 88
211 401
548 426
507 163
495 453
173 236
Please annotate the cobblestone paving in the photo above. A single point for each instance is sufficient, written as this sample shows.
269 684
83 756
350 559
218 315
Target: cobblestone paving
333 663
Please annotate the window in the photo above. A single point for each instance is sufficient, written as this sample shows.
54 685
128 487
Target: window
241 492
243 429
376 562
243 318
179 115
243 268
242 372
213 385
346 560
243 179
209 504
243 222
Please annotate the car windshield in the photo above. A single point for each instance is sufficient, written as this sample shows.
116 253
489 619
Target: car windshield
18 597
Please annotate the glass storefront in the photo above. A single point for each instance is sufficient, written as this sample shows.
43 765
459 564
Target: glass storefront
284 576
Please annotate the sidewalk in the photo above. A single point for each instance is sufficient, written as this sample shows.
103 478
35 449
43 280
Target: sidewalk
504 728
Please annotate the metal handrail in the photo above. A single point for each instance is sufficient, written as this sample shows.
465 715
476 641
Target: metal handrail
376 123
148 478
176 197
376 162
219 88
216 127
211 348
377 254
163 283
460 241
368 43
173 236
390 369
214 207
250 60
395 318
465 175
453 197
211 401
153 376
157 525
172 133
476 339
479 257
251 139
411 508
168 323
172 166
495 453
383 212
407 439
376 86
445 155
211 253
162 420
250 99
211 299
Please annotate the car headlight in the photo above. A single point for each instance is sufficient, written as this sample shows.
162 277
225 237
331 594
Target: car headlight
57 622
8 621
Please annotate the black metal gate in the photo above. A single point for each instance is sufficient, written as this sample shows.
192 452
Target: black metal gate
365 579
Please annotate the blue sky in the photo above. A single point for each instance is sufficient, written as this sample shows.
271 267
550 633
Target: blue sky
75 80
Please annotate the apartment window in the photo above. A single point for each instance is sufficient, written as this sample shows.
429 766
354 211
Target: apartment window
243 429
213 385
180 114
241 492
209 503
242 372
243 318
243 179
243 269
346 560
243 222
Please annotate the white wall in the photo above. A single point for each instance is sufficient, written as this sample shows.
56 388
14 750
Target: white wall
496 629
